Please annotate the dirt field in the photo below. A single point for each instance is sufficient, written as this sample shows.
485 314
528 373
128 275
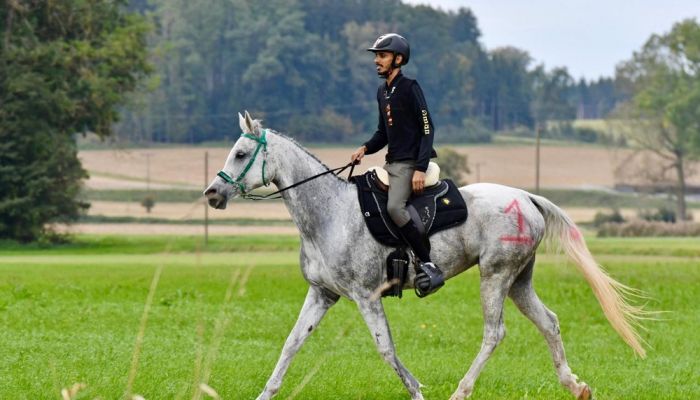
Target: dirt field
561 166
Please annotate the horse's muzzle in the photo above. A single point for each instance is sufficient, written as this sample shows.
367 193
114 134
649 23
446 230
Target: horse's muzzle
215 199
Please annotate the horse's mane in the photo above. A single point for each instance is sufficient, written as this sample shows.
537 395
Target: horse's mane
302 148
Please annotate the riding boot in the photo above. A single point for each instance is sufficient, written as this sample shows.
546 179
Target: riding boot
428 278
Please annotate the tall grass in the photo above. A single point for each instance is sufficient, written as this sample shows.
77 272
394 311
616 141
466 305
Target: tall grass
82 311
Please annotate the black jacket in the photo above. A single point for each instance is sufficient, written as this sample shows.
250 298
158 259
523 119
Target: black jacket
404 124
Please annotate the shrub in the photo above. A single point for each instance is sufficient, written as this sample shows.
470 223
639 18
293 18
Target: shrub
148 202
639 228
614 217
453 165
663 214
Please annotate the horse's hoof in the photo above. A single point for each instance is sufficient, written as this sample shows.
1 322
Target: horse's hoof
585 393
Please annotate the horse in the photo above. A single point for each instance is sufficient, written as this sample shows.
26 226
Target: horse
340 258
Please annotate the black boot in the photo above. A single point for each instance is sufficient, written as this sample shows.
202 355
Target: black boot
428 278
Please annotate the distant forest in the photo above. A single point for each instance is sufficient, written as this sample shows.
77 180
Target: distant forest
303 68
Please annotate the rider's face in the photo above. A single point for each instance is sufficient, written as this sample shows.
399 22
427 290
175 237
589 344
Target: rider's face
383 59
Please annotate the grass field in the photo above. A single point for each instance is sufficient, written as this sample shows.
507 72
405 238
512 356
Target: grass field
72 314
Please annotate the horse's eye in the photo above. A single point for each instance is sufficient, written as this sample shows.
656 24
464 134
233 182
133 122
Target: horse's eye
240 155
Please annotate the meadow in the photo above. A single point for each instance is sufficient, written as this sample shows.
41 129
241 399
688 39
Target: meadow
75 314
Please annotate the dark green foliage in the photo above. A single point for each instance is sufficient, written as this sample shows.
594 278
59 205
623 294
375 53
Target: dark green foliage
568 131
453 165
302 66
614 217
662 214
64 67
148 202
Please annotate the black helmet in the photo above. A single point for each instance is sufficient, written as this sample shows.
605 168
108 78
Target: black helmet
394 43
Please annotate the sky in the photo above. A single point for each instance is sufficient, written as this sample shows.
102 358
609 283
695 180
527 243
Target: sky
588 37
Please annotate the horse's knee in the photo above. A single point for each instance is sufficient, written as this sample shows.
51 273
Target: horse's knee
553 323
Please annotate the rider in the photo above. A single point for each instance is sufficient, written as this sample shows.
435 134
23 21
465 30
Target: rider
405 125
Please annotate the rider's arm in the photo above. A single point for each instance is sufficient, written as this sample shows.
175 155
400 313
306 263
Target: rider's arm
379 139
427 129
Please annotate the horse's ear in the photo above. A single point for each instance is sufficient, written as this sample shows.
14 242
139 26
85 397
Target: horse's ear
252 125
242 124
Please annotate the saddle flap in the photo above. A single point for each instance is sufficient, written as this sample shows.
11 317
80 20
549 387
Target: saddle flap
439 207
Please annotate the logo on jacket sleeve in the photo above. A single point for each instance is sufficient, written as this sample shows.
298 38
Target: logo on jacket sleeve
426 124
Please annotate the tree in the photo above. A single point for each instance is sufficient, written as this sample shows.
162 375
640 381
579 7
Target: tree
664 112
64 69
453 165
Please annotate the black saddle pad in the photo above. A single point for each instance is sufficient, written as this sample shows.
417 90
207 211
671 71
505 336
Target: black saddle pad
439 207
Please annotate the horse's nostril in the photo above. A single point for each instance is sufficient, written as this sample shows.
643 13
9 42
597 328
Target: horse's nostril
210 191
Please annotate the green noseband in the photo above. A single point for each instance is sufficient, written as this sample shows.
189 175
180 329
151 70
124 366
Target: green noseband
262 143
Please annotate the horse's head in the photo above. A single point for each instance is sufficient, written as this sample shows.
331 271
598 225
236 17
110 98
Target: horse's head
246 167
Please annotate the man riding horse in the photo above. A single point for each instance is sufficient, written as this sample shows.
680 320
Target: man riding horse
406 127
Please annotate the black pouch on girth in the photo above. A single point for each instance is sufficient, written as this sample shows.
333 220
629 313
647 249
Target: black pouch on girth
396 272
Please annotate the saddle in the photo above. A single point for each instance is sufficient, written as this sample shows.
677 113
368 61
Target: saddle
439 207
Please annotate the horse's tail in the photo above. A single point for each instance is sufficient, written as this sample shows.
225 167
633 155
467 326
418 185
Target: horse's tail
612 295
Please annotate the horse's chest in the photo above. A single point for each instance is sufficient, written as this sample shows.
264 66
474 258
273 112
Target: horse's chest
339 272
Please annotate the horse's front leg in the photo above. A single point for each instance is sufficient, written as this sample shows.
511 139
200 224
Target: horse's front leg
318 301
373 313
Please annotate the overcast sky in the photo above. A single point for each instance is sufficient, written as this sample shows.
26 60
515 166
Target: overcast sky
588 37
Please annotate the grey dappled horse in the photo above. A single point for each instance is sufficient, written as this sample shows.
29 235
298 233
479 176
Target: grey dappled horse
339 257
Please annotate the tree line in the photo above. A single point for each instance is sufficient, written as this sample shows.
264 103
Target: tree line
176 71
302 66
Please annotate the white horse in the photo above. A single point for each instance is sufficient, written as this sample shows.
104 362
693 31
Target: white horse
339 257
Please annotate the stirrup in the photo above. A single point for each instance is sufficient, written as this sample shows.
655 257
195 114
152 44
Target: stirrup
428 279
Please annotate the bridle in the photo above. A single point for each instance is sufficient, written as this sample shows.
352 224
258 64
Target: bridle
262 144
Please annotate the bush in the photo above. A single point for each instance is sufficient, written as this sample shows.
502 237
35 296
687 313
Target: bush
566 130
662 214
640 228
614 217
149 202
453 165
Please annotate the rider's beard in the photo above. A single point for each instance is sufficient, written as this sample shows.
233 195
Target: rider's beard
383 72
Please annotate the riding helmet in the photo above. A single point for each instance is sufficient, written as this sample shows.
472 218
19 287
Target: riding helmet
394 43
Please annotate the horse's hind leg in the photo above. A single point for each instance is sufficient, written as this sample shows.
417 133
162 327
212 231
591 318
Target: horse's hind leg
525 298
373 313
494 288
318 301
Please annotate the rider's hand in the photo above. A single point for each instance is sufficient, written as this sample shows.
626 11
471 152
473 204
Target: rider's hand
418 181
358 154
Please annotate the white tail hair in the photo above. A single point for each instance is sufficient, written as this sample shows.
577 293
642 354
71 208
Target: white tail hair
612 295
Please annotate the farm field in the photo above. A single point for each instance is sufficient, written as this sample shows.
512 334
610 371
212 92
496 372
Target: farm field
562 165
118 182
71 314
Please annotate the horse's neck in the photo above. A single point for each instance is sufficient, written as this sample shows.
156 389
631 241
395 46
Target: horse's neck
316 204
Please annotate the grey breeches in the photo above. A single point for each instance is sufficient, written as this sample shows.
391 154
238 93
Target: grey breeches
400 188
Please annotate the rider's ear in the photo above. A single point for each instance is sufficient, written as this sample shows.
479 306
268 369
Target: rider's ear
242 124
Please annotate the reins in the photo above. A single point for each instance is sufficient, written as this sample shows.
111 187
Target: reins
339 170
262 143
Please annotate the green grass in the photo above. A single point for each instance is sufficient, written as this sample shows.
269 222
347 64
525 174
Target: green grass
71 314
